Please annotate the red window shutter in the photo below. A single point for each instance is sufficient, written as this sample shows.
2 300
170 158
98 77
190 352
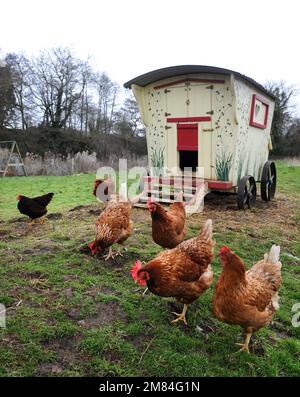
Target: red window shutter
187 137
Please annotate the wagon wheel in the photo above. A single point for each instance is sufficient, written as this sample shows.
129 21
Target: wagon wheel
246 195
268 181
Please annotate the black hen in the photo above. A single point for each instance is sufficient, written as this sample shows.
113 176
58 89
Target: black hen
34 207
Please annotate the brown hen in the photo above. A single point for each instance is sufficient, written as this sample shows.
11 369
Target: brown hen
183 272
168 226
247 298
112 226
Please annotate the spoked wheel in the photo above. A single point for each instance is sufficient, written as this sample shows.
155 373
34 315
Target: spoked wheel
268 181
246 195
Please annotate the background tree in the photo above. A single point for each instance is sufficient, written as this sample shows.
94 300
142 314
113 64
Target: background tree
292 139
283 113
106 93
7 98
56 85
20 69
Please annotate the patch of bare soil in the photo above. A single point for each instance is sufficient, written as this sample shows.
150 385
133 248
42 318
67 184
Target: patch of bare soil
106 313
206 325
95 213
256 346
18 219
54 216
66 355
77 208
141 341
4 234
280 330
222 209
117 262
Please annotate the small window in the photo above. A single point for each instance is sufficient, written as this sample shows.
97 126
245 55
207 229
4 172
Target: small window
259 112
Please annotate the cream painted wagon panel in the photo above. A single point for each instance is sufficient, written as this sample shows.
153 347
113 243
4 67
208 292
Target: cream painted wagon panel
199 104
199 100
155 103
176 101
171 152
252 143
205 149
224 131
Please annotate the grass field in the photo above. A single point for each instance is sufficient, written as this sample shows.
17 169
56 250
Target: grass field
69 314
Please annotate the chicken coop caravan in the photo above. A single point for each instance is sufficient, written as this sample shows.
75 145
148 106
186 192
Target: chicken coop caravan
212 120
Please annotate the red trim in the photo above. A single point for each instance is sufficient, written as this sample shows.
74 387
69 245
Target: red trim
188 148
214 81
189 181
187 119
264 102
220 185
189 126
187 137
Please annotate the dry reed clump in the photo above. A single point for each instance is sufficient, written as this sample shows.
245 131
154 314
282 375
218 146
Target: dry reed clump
293 161
57 164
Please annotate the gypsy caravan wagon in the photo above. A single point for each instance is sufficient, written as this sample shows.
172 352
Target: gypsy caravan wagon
210 119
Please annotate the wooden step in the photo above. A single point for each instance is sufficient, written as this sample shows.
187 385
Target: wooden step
172 181
165 189
164 193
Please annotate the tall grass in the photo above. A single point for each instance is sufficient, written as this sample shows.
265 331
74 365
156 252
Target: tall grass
58 165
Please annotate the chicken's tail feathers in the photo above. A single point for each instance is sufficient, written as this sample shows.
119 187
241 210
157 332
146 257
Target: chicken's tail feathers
207 230
273 256
275 301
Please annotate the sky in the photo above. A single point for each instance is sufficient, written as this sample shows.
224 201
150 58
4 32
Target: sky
258 38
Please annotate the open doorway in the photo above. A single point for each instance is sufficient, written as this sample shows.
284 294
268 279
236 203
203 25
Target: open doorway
188 158
187 146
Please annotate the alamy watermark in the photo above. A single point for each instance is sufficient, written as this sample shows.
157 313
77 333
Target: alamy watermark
155 184
2 316
296 316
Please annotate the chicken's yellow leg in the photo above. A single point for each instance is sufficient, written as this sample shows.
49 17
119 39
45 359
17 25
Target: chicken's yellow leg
30 224
245 345
110 254
181 316
42 221
119 252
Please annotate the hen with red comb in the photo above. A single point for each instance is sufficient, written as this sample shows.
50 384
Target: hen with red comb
247 298
183 272
224 250
168 225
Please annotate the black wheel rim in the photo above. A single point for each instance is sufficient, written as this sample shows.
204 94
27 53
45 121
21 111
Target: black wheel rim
250 193
268 181
246 192
272 181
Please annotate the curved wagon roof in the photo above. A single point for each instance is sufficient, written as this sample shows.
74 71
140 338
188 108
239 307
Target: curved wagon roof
172 71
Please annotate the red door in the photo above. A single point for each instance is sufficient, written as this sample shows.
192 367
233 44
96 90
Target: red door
187 137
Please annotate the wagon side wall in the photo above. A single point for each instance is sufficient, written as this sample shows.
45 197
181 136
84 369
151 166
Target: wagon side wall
252 142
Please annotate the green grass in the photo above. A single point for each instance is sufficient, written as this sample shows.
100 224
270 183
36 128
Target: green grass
73 315
69 191
288 178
